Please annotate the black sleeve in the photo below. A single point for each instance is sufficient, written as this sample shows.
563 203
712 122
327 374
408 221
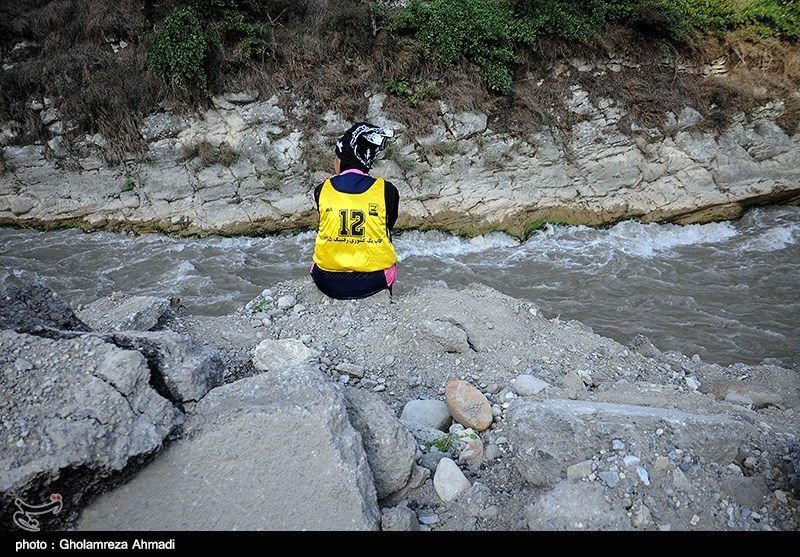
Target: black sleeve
392 198
316 194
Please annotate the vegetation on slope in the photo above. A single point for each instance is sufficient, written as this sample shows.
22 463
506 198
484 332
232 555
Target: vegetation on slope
111 62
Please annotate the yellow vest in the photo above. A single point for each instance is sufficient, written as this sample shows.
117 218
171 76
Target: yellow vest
352 230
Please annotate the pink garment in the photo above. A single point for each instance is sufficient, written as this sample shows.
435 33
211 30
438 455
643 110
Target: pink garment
353 171
391 275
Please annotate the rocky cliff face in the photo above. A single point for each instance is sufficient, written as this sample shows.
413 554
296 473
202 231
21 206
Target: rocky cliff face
246 165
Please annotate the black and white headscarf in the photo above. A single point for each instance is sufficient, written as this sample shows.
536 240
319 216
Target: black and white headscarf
359 145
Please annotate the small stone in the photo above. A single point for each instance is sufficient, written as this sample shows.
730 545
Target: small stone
662 463
428 413
695 520
643 475
631 460
572 381
21 364
780 496
286 302
399 519
692 383
680 481
611 479
449 481
379 388
735 469
431 460
491 452
617 445
527 385
350 369
579 470
429 519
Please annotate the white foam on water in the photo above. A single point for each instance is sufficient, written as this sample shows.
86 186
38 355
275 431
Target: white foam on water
441 244
630 238
774 239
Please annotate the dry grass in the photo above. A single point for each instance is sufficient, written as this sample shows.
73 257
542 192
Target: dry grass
210 154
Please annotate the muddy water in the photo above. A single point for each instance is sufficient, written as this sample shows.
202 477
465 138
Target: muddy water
727 291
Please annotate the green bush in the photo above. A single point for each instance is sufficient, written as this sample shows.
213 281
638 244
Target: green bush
413 97
178 51
196 36
485 32
773 18
489 32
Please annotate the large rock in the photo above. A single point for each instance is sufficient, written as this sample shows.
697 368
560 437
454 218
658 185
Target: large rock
575 506
183 370
390 447
270 452
449 481
137 313
73 413
277 354
747 394
550 435
467 405
446 336
426 413
29 305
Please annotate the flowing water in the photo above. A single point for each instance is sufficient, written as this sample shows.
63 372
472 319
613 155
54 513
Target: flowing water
727 291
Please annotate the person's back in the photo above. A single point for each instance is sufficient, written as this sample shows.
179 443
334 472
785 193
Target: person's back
353 253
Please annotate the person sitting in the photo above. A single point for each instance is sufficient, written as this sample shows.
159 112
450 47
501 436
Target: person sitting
353 253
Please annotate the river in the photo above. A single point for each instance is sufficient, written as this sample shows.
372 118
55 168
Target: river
727 291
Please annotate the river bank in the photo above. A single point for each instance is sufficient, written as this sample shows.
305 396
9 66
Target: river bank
247 166
443 409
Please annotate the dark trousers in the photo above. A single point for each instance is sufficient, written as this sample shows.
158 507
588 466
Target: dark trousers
349 285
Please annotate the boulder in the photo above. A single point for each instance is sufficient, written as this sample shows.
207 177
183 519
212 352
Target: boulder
389 446
183 370
271 355
269 452
69 406
426 413
29 305
575 506
550 435
138 313
467 405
